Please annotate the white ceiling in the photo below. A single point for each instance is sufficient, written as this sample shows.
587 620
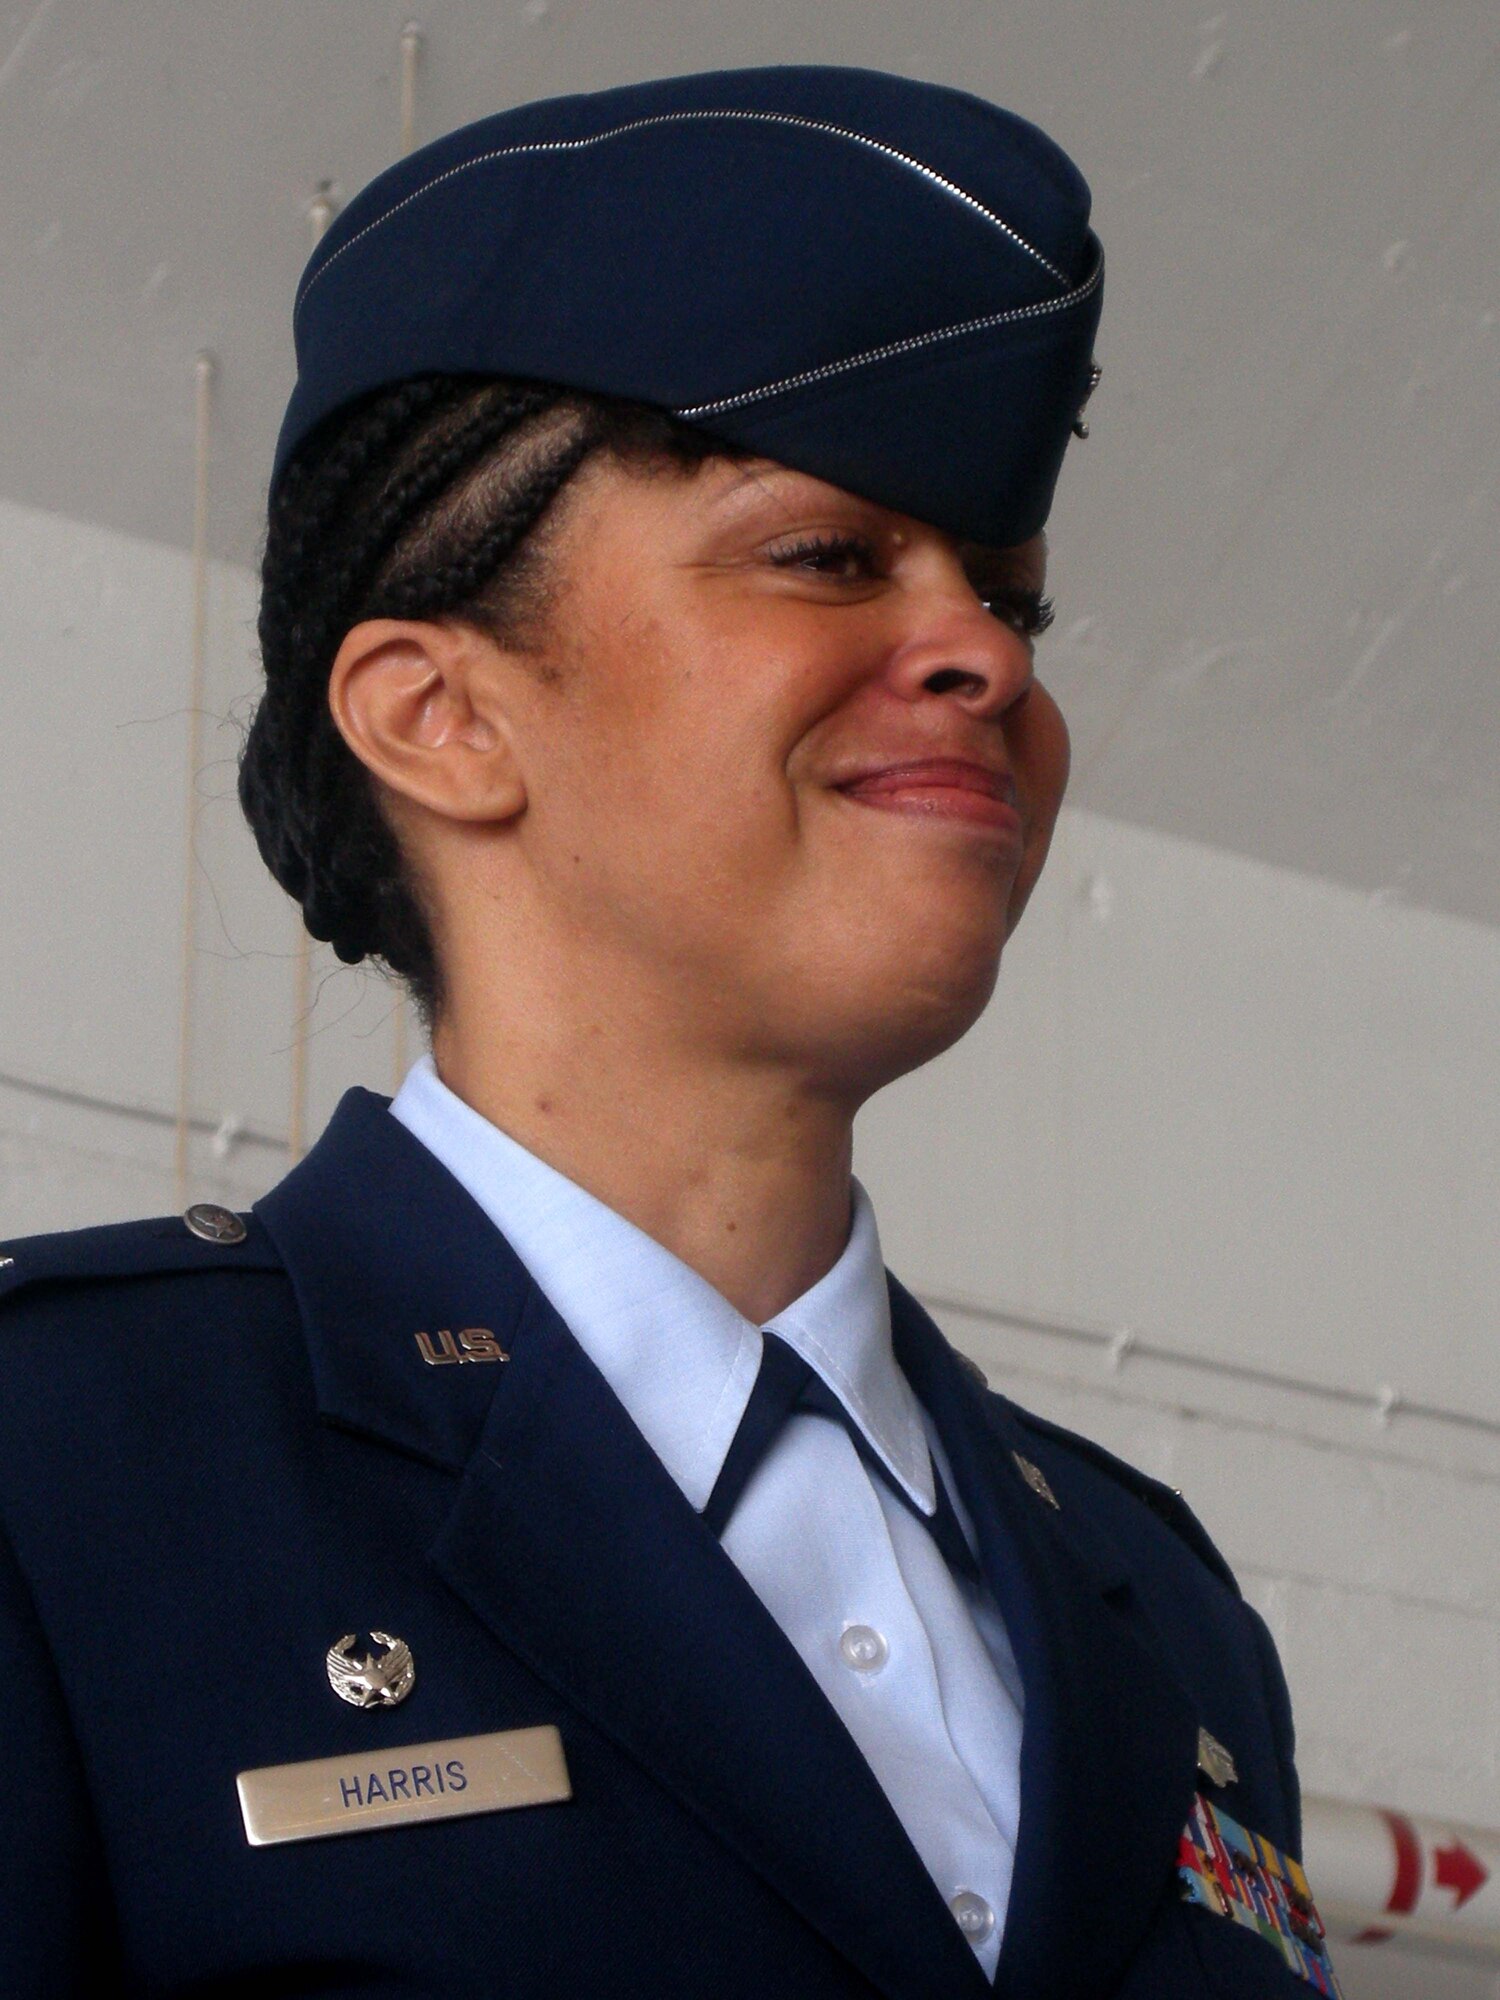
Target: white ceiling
1279 593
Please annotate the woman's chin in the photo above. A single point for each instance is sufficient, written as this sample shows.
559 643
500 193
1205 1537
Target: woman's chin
885 1021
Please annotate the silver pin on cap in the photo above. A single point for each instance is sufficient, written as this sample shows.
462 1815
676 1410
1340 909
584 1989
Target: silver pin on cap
215 1224
1080 424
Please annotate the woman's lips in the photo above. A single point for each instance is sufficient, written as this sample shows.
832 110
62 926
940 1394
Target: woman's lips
941 788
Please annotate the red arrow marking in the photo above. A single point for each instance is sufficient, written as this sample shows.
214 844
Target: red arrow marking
1407 1885
1456 1868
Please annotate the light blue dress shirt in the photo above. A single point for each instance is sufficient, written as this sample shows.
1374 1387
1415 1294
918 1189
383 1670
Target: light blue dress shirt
915 1660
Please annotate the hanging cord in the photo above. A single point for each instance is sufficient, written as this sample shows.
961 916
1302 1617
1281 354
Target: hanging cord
296 1129
203 380
411 51
320 212
400 1053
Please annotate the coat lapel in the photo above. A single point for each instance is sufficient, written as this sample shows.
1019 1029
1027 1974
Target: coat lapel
571 1542
1109 1744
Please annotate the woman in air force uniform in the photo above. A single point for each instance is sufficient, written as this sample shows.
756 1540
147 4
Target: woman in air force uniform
539 1551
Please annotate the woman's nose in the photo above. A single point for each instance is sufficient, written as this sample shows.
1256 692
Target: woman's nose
959 649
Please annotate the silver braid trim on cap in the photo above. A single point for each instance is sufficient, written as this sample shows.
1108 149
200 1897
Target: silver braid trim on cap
916 166
907 346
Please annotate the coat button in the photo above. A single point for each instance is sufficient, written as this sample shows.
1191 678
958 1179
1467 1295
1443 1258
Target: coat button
215 1224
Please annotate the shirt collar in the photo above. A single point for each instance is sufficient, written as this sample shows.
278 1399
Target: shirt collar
678 1355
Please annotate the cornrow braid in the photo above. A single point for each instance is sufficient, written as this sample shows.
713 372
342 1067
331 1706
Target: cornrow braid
415 502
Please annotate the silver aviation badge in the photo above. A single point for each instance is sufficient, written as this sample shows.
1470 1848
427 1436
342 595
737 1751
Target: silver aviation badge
375 1681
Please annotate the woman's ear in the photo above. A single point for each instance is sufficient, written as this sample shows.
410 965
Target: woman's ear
420 704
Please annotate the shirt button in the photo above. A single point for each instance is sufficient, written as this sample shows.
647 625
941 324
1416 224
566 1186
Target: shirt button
973 1915
863 1648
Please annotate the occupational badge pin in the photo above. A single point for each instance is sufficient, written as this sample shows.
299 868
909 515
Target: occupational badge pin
373 1682
1214 1761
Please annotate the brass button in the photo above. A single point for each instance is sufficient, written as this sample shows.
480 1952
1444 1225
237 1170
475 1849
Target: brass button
214 1224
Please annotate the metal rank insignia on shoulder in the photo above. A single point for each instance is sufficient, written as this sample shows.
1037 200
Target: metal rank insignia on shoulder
376 1681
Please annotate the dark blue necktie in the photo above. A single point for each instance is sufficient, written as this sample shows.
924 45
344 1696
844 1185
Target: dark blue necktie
787 1383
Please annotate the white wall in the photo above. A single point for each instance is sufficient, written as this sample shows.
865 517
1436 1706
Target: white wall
1246 1114
94 671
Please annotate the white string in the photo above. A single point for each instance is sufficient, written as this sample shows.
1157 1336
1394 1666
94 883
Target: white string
319 215
203 378
320 211
411 51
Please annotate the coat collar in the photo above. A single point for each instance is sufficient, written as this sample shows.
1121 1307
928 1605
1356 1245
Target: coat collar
571 1542
382 1244
1109 1743
615 1287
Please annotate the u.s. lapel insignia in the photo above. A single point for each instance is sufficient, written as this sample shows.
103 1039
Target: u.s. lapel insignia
1035 1478
471 1343
375 1681
1214 1761
1225 1868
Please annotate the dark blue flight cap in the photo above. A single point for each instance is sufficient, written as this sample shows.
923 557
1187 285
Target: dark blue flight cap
888 284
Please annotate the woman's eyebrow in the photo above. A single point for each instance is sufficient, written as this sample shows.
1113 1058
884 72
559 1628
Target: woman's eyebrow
773 478
757 472
1023 568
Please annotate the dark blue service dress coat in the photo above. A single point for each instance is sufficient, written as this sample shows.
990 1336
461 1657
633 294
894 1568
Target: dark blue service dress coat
217 1459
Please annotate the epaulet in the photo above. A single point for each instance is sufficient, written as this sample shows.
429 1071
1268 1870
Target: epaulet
206 1238
1164 1501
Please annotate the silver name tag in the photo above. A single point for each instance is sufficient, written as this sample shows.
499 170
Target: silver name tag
468 1774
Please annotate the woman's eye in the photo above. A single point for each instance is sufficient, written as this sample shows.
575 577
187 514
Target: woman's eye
1026 611
849 557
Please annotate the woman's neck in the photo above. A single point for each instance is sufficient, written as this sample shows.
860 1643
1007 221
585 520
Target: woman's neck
741 1171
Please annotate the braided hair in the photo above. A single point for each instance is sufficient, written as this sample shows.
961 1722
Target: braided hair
414 502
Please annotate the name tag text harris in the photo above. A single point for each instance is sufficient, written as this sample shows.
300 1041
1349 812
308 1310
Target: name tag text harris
419 1781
